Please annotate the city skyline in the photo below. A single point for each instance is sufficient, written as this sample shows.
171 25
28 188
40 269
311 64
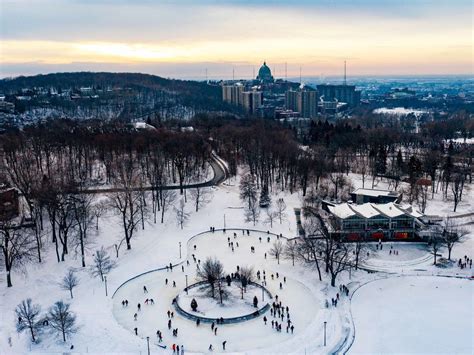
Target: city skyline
183 40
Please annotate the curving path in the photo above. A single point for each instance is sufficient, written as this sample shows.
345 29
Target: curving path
218 165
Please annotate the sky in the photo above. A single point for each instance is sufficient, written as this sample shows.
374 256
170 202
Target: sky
187 39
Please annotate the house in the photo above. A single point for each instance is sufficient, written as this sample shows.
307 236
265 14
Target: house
360 196
374 221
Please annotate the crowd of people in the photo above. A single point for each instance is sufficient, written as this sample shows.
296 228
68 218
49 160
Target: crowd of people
464 263
279 313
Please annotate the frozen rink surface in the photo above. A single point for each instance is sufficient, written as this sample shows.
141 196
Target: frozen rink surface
414 315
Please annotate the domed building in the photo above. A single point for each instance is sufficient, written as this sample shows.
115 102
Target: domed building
265 74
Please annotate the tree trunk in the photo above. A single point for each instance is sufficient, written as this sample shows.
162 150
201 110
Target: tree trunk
9 278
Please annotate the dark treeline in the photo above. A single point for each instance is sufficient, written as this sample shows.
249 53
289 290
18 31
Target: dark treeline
330 151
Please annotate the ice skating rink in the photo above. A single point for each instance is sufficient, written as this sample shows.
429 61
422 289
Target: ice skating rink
302 303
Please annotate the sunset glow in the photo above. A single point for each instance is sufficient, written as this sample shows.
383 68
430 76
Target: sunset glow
373 38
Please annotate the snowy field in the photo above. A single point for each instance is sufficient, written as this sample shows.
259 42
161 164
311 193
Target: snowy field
107 327
421 315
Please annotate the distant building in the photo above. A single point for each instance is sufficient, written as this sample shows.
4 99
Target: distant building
361 196
265 74
232 93
342 93
303 101
252 101
372 221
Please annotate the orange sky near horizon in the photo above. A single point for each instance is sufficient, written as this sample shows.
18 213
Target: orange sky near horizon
235 36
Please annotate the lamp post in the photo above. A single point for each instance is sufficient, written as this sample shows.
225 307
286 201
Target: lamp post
224 220
105 279
148 344
263 292
186 283
325 333
180 250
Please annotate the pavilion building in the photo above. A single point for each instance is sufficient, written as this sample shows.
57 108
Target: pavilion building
374 221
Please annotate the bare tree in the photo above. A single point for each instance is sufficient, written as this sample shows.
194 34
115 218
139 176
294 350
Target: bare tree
181 215
422 195
62 320
280 209
246 276
291 251
252 212
126 204
435 244
452 234
127 201
69 281
201 196
270 216
361 247
310 248
277 250
99 210
84 213
309 252
337 255
457 186
17 245
28 318
102 264
167 198
211 271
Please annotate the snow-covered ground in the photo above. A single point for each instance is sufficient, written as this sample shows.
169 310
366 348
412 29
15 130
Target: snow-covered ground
416 315
105 327
302 301
399 111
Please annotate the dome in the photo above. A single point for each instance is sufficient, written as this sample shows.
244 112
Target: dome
265 74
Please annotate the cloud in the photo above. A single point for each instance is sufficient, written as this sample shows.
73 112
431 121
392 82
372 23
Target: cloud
317 34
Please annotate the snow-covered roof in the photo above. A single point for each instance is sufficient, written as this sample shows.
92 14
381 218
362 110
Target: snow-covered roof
388 209
369 210
365 210
411 211
341 210
375 192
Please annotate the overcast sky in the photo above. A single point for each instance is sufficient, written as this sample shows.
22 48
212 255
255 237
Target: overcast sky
184 38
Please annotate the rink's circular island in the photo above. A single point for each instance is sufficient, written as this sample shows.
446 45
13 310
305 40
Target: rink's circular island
236 306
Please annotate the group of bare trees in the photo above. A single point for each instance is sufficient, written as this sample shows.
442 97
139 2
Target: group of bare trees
59 319
253 205
319 249
447 235
54 165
